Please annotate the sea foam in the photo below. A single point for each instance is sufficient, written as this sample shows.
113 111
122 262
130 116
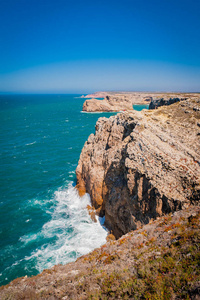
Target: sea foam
70 230
29 144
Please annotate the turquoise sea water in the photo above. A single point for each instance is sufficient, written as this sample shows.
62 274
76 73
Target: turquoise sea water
43 221
140 107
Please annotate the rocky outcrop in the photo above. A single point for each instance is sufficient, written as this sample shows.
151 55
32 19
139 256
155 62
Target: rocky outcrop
124 101
141 165
116 102
155 103
96 95
158 261
110 103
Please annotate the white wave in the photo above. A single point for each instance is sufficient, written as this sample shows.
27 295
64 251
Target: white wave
71 231
99 112
92 112
71 172
31 143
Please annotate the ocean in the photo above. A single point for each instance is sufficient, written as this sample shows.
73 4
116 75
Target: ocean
140 107
43 221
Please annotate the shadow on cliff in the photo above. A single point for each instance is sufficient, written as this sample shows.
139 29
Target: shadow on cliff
130 199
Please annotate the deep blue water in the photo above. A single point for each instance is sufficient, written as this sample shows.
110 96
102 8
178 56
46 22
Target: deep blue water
43 222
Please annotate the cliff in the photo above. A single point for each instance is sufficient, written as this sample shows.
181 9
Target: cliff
141 165
116 102
158 261
110 103
155 103
123 101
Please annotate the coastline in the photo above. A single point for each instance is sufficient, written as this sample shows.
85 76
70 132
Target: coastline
121 101
157 127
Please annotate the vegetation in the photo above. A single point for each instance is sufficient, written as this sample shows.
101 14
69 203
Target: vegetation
172 274
159 261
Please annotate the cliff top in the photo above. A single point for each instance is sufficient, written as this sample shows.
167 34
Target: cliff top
102 94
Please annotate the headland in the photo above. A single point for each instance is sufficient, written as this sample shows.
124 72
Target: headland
124 101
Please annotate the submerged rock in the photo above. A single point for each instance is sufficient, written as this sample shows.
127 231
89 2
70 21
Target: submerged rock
141 165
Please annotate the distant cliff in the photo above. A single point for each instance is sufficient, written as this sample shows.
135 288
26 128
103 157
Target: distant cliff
121 101
155 103
114 101
141 165
110 103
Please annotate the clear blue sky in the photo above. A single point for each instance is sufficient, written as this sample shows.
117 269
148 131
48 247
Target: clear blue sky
84 46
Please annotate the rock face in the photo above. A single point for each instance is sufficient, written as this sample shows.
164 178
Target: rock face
141 165
155 103
110 103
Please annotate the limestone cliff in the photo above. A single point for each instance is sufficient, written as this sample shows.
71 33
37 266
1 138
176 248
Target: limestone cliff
110 103
141 165
155 103
123 101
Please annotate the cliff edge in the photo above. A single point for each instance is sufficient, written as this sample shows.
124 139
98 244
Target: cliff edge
141 165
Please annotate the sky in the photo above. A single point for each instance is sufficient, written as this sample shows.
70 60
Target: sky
73 46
